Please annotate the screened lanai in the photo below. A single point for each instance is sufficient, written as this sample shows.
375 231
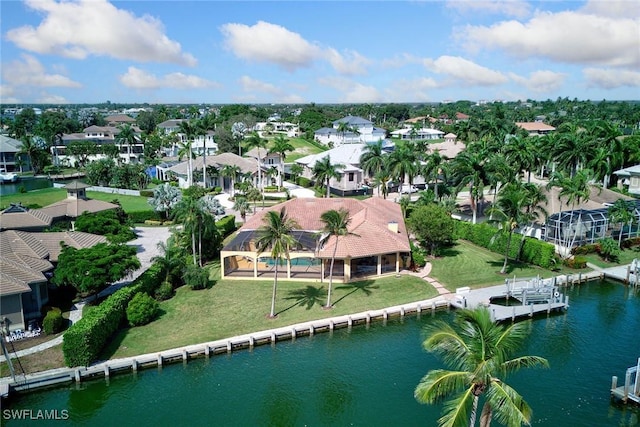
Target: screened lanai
582 226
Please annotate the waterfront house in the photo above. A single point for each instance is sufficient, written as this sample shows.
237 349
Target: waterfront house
629 178
26 263
10 158
350 130
247 167
378 245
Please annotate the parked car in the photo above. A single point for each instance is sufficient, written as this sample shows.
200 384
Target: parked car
406 189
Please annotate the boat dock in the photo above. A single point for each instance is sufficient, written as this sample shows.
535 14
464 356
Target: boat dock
624 273
630 391
516 298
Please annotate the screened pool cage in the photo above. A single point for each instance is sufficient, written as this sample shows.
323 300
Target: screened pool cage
582 227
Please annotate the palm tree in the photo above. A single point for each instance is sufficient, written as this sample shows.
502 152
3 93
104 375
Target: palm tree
171 261
574 189
324 170
519 152
187 213
535 197
403 164
336 224
241 206
296 171
622 213
126 136
254 141
477 350
468 170
232 172
432 168
372 158
165 197
30 148
509 214
281 146
276 235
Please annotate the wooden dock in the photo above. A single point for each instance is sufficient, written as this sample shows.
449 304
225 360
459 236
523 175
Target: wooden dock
624 273
630 391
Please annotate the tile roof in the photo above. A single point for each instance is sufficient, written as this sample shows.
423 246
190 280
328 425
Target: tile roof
19 217
597 199
370 219
73 208
219 160
535 126
347 154
9 145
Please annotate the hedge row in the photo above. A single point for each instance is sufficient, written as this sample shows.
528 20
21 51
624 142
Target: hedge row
139 217
226 225
84 341
534 251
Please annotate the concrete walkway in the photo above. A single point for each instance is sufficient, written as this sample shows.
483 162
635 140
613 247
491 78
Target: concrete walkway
147 247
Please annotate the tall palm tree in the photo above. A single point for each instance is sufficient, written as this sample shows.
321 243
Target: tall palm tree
255 141
281 146
468 171
324 170
519 152
575 189
509 212
242 206
276 236
372 158
336 224
127 135
231 172
189 131
381 179
296 171
535 197
432 169
403 163
622 213
478 352
186 212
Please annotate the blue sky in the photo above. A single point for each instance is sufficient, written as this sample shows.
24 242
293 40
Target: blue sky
317 51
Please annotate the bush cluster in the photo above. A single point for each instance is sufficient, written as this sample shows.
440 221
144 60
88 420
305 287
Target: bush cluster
576 262
53 322
305 182
226 225
586 249
146 193
139 217
84 340
142 309
534 251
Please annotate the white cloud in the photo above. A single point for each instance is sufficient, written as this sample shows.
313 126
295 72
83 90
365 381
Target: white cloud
47 98
252 85
136 78
81 28
542 81
515 8
28 71
8 95
348 64
611 8
400 60
271 43
570 37
611 78
265 42
464 71
352 92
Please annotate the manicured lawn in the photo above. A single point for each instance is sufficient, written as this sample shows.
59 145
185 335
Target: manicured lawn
302 148
43 197
625 258
48 196
236 307
466 264
128 203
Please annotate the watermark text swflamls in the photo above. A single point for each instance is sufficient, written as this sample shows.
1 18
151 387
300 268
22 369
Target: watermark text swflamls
35 414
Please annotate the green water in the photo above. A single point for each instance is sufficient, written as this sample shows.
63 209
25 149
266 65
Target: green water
366 377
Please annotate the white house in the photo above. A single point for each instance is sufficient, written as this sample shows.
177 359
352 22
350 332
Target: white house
199 144
101 135
350 130
630 178
351 179
411 133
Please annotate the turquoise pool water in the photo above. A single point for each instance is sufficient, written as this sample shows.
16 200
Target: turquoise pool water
305 262
366 376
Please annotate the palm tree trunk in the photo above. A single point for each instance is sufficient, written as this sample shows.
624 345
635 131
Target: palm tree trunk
333 259
474 411
506 254
204 164
193 247
272 314
328 189
200 245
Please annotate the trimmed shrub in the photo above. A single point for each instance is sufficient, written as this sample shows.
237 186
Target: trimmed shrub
139 217
152 222
146 193
226 225
164 291
142 309
84 340
53 322
586 249
196 277
305 182
609 249
576 262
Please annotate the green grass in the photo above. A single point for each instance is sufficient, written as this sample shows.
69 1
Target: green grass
302 148
128 203
466 264
48 196
43 197
231 308
626 256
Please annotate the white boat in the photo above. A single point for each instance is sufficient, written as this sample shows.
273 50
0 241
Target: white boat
8 176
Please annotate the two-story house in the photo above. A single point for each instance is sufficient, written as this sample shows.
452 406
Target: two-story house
350 130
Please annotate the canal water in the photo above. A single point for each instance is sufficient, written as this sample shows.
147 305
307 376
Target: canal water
25 184
366 376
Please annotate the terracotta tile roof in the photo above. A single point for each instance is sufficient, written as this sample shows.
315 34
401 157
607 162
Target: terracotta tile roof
535 126
370 220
